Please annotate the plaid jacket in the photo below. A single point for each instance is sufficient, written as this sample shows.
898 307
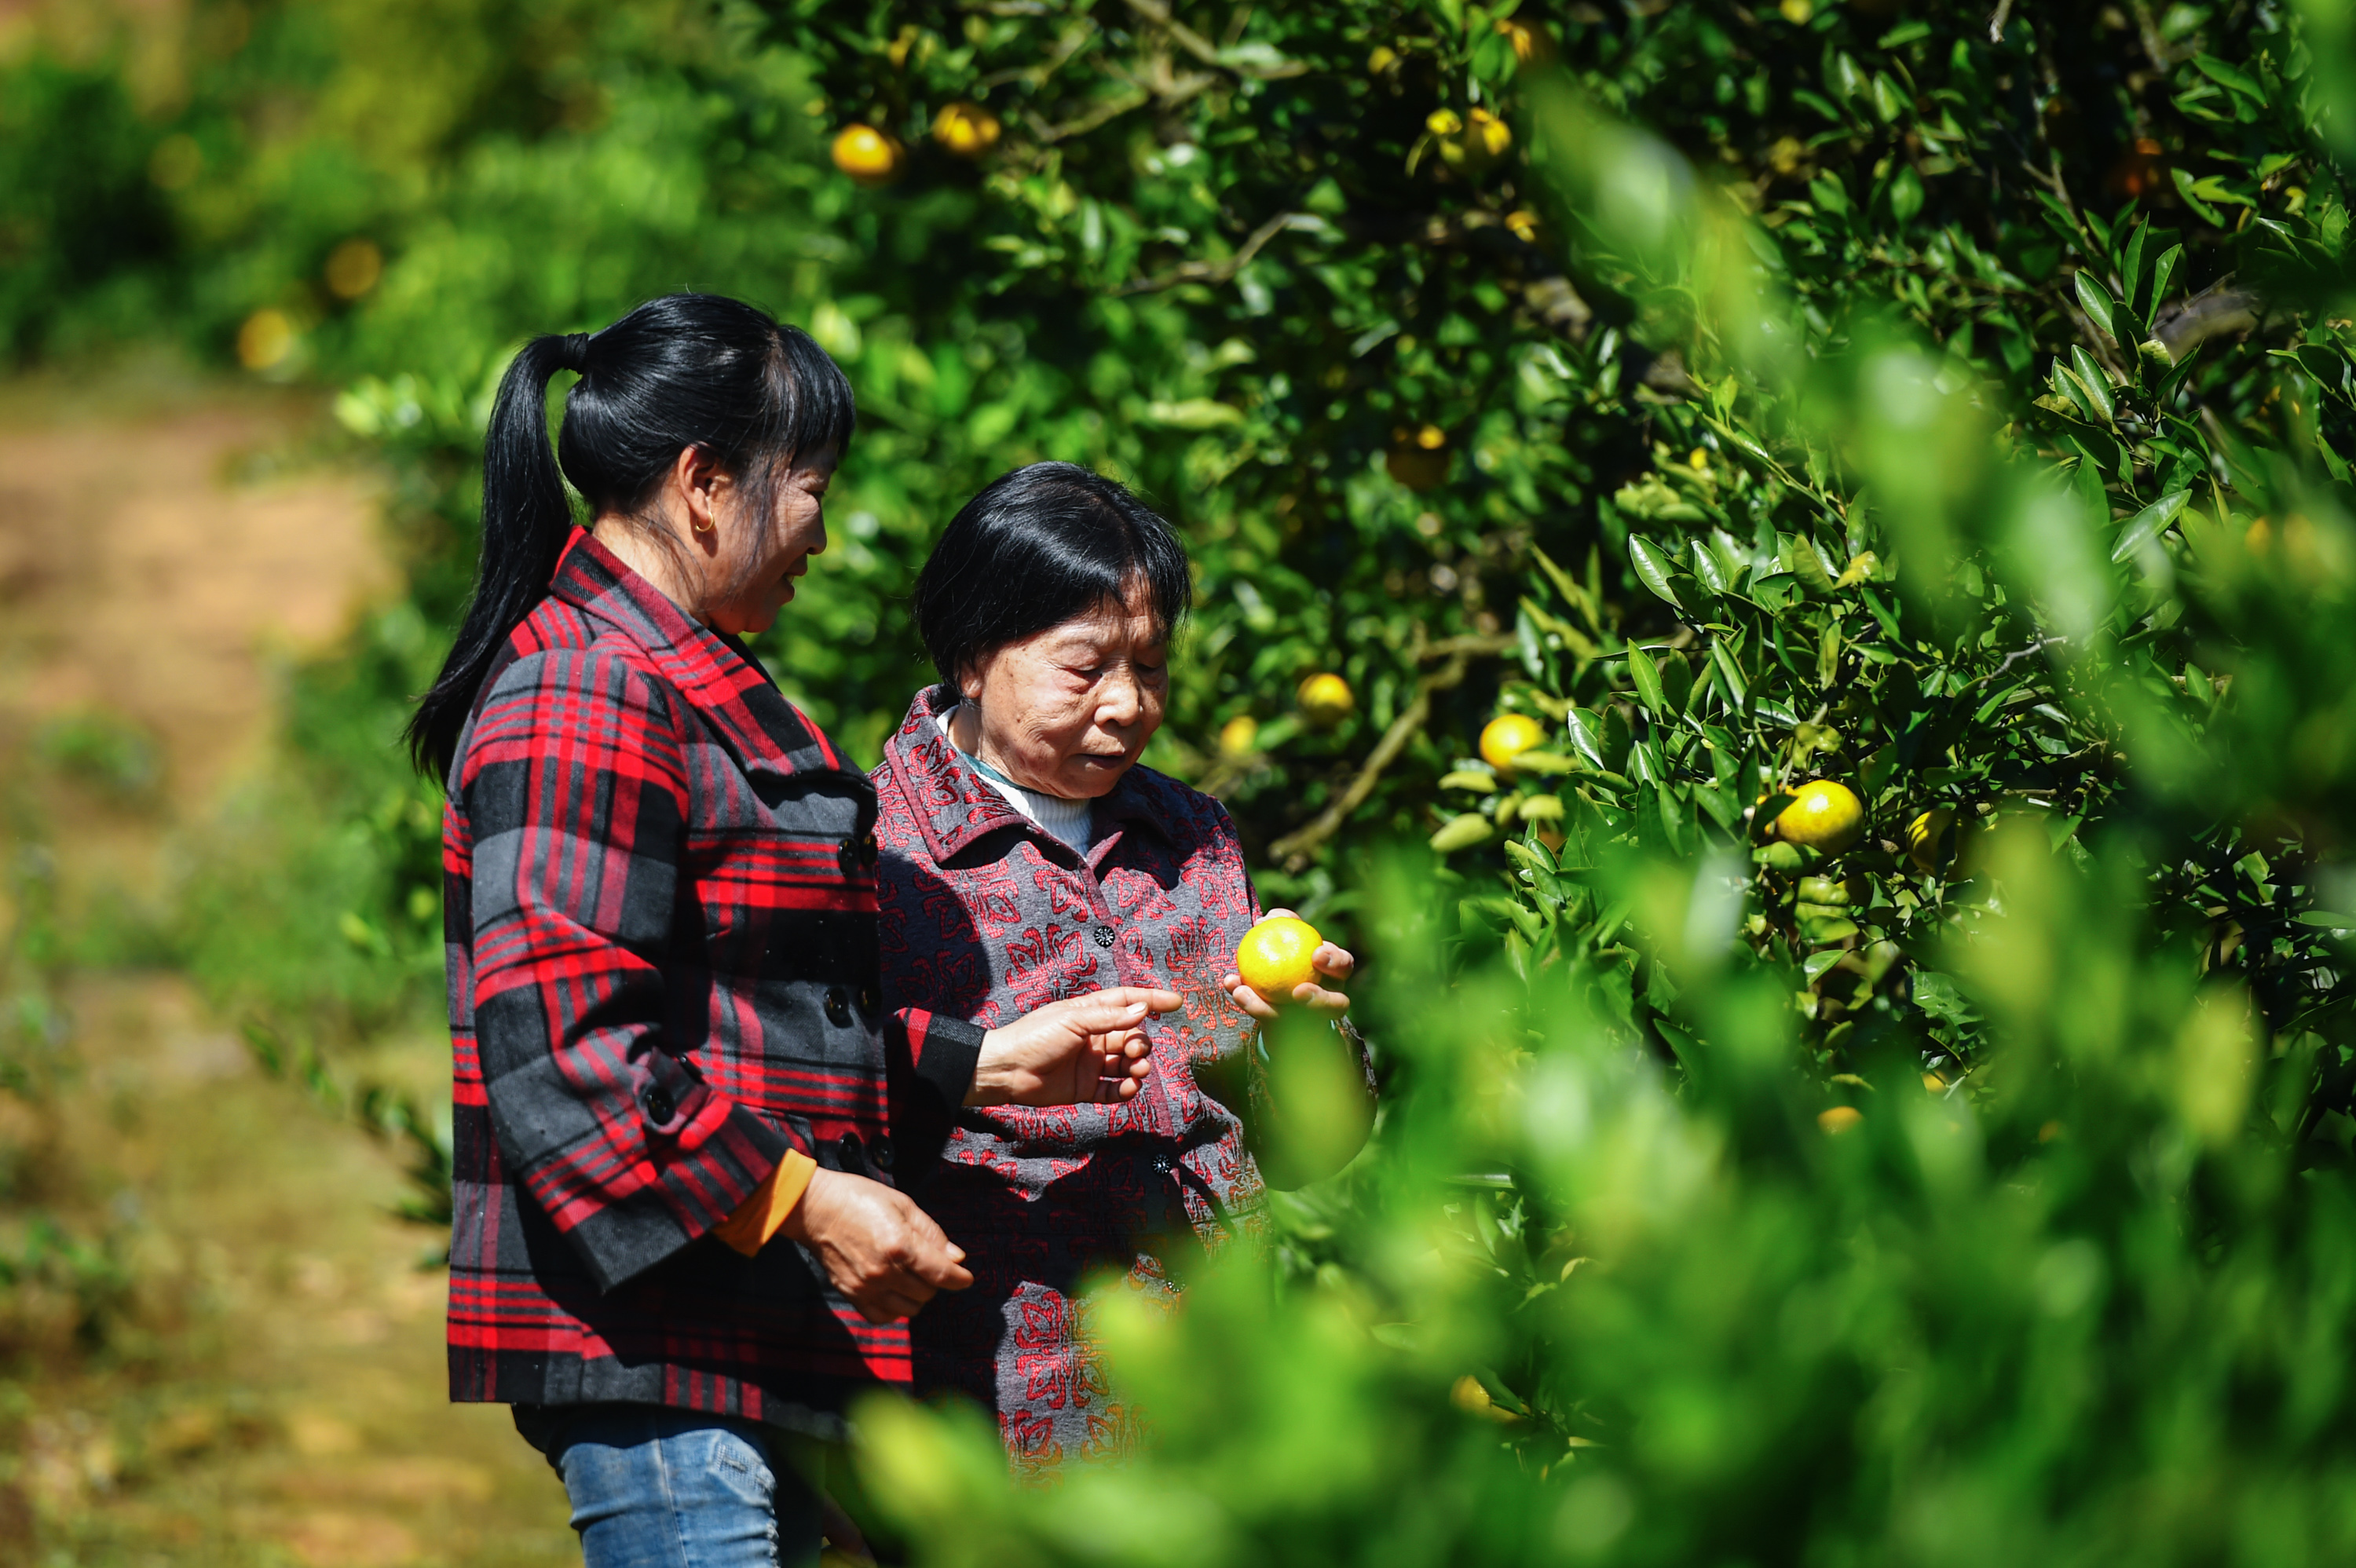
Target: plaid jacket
987 917
661 928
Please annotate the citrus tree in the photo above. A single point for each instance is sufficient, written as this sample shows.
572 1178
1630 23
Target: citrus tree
1824 527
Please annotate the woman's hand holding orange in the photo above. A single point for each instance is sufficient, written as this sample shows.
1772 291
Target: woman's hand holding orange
1330 962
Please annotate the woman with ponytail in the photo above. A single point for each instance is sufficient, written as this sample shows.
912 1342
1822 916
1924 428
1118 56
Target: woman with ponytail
680 1103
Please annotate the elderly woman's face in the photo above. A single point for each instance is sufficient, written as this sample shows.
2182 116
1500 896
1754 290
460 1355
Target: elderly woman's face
1067 711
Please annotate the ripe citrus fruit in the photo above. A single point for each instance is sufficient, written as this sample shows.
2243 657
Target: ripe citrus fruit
966 130
1930 843
867 155
1273 957
1419 458
1507 736
1529 43
1238 735
1325 698
1839 1118
1823 815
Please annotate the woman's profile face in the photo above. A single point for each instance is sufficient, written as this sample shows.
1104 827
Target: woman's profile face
1067 711
752 564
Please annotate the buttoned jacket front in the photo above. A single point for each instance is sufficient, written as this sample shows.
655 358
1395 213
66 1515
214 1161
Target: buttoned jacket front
661 935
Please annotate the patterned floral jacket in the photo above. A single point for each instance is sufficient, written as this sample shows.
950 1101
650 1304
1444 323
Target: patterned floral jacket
661 915
986 917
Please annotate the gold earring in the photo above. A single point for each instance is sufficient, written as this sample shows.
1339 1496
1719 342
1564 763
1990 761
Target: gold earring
704 528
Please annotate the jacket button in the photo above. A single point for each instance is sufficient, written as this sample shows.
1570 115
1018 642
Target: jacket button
1104 936
838 1007
847 857
846 1147
658 1105
868 851
868 1000
882 1152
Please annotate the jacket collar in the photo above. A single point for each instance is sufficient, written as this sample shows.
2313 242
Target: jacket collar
955 808
715 673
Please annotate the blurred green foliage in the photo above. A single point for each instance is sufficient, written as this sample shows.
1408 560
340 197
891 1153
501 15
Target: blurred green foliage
1953 405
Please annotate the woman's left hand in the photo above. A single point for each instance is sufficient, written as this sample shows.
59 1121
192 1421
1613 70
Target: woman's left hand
1330 963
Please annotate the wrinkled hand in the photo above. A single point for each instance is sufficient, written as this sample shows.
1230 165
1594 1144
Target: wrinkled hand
880 1250
1334 962
1085 1050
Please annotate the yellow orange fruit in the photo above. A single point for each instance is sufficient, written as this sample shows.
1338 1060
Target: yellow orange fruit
265 339
1823 815
1928 841
966 130
1238 735
1839 1118
1325 698
868 156
1530 43
1273 957
1419 458
1507 736
1486 136
353 267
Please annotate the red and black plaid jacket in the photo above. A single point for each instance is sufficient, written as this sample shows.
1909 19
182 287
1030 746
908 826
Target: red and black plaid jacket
661 926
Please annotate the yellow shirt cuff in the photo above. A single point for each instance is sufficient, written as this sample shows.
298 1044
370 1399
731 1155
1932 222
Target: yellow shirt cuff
758 1219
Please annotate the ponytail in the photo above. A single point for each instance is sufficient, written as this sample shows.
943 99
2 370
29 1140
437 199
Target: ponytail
526 524
686 370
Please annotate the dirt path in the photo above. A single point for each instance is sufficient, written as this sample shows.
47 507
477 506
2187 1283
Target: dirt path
270 1387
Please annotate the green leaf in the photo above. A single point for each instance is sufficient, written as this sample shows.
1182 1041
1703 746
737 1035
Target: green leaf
1586 738
1462 833
2184 188
2146 525
2094 300
2163 272
1729 672
2097 382
1194 414
1646 679
1653 568
2131 265
2229 76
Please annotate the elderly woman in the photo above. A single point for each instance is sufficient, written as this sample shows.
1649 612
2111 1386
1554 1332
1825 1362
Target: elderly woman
1026 857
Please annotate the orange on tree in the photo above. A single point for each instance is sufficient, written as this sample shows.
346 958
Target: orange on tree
1419 458
1823 815
1532 43
1506 737
1273 957
1930 843
966 130
1238 735
1839 1118
1325 698
868 156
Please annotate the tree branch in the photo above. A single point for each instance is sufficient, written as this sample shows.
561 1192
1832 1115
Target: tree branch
1219 272
1293 848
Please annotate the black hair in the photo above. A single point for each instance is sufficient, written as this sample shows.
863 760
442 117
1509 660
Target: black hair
1036 547
685 370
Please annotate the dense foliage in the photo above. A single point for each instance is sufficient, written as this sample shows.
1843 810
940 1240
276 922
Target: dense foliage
1954 406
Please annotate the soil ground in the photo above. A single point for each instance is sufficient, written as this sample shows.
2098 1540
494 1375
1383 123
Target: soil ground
266 1383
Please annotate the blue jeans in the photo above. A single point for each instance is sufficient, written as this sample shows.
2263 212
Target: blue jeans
653 1488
